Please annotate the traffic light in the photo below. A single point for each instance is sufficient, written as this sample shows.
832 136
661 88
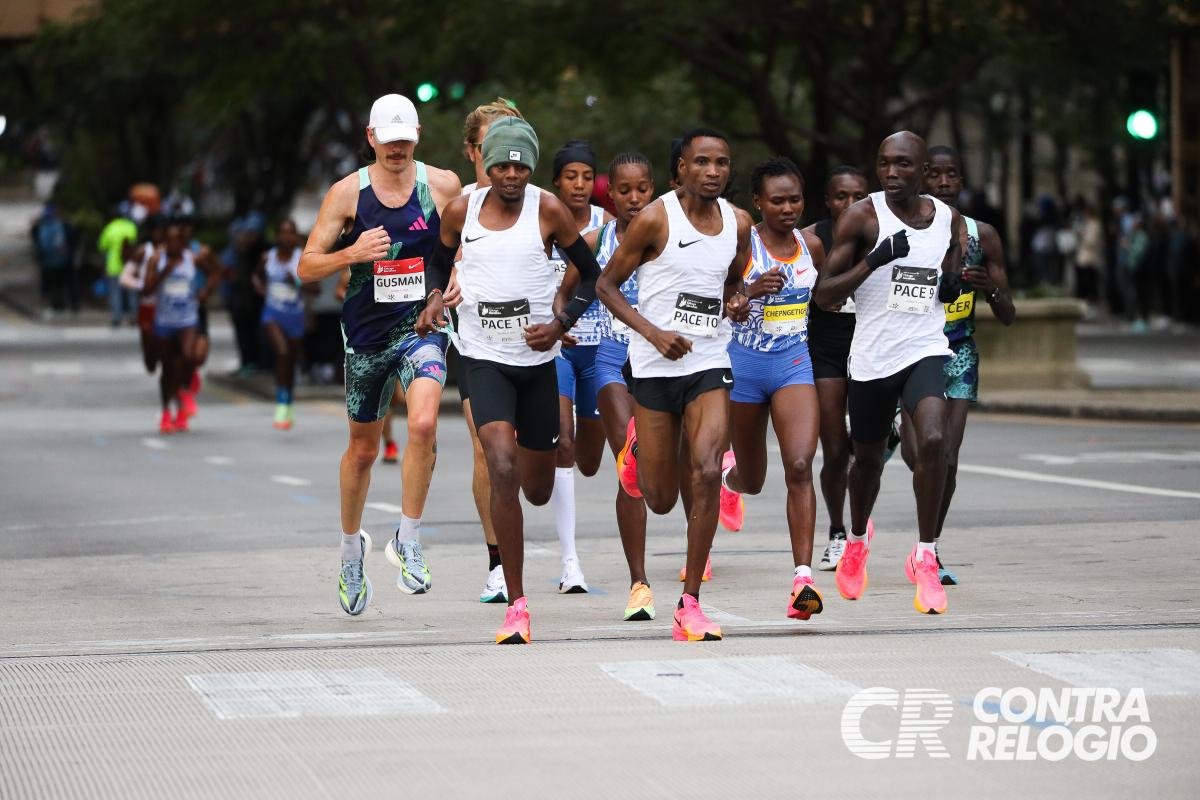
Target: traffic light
426 92
1142 124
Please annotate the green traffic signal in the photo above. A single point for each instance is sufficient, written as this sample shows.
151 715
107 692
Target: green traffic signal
426 92
1142 124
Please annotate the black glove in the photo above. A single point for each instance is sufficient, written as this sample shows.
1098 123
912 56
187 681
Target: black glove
950 288
891 248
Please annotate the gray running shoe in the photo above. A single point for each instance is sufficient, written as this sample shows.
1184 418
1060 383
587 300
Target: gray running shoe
833 552
414 575
354 587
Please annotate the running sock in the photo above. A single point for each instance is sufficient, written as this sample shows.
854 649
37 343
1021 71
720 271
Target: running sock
563 500
283 395
803 571
351 548
410 530
855 537
493 556
835 531
925 547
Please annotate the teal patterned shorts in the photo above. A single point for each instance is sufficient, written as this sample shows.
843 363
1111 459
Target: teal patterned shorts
371 377
962 371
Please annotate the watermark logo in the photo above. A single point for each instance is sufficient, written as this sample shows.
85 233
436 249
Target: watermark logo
1016 724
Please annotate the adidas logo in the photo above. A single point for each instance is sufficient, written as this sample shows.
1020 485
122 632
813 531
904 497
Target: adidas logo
419 225
397 119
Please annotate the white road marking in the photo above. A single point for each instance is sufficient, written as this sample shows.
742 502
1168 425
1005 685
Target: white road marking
308 693
724 617
56 369
1159 671
219 461
120 523
199 643
387 508
1087 483
1114 457
290 480
155 444
729 681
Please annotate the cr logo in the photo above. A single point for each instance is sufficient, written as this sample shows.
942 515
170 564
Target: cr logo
923 712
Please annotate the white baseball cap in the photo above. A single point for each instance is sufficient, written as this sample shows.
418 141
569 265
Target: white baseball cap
394 118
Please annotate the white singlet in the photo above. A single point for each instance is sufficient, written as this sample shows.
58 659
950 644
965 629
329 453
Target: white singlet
683 290
507 284
900 320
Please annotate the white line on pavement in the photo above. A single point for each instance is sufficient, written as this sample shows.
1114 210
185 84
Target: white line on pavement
155 444
386 508
1087 483
209 642
218 461
56 369
119 523
289 480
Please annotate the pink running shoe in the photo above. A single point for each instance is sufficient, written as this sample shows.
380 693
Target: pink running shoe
627 463
691 625
515 629
930 597
165 425
733 508
806 600
851 571
187 403
707 576
910 565
181 421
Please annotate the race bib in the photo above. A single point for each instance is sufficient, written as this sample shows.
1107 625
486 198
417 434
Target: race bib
177 287
786 313
913 290
504 323
696 315
620 328
400 281
283 294
961 308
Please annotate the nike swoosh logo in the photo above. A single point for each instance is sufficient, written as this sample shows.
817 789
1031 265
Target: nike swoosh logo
554 440
726 380
468 240
689 244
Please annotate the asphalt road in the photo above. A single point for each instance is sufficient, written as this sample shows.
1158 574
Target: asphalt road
172 627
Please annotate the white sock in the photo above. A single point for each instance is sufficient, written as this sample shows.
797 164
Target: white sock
803 572
923 548
854 537
563 501
410 529
351 547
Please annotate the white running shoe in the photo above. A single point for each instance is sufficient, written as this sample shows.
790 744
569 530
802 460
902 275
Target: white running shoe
833 552
572 581
495 590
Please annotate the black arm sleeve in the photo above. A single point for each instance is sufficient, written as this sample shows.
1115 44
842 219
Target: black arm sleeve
437 271
950 287
589 271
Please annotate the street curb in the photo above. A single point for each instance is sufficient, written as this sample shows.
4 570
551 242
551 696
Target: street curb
1111 413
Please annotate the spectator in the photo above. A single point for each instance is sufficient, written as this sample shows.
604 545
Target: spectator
245 304
1131 256
1089 255
52 252
117 242
323 345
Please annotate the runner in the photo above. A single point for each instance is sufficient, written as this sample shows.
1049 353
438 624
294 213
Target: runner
171 276
509 332
688 249
474 129
133 278
899 348
829 335
581 434
984 272
631 187
772 371
190 387
391 211
283 314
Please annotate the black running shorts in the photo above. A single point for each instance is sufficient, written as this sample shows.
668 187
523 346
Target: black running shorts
873 403
524 397
674 394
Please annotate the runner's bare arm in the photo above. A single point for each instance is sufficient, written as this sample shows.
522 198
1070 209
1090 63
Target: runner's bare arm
644 240
951 286
441 264
259 279
845 269
737 303
815 248
571 279
337 209
445 184
153 276
992 280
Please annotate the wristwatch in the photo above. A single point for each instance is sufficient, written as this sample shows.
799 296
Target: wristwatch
993 295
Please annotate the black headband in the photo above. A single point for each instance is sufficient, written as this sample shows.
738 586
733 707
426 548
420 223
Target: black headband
574 151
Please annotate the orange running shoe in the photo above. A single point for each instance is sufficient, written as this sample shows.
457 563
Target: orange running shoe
165 425
187 403
733 508
627 463
851 571
930 597
806 600
515 629
691 625
181 421
391 453
641 603
707 571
